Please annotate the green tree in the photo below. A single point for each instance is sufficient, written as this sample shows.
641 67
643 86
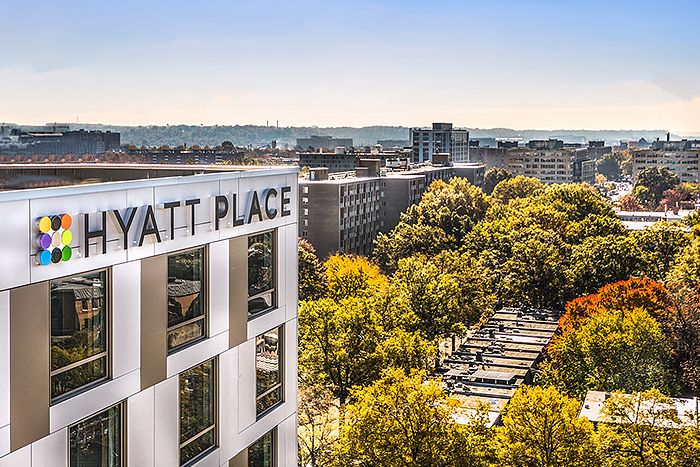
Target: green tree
643 429
351 276
407 240
541 428
517 187
493 177
651 184
402 421
609 166
345 343
685 272
312 281
318 422
603 260
660 245
616 350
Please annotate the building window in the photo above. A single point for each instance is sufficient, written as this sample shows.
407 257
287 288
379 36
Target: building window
79 327
268 375
97 440
261 273
186 307
261 453
197 411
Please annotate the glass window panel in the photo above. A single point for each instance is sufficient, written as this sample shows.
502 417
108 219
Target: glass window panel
96 442
197 410
185 298
268 361
261 453
268 401
260 263
78 330
78 377
260 303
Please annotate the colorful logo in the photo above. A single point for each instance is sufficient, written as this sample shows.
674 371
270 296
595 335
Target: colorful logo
53 239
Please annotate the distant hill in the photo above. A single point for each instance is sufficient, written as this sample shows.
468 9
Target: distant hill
260 135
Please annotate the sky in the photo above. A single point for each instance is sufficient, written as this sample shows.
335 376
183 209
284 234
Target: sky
545 64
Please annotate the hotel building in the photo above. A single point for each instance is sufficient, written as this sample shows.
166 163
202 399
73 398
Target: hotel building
150 322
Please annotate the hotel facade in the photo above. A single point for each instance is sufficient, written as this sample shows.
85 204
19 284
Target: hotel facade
150 322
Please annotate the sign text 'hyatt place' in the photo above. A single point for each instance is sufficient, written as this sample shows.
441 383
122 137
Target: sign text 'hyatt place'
268 204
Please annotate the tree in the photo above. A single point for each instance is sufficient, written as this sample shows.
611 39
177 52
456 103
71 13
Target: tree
351 276
616 350
651 184
673 198
541 428
683 326
660 245
536 273
630 203
493 177
407 240
609 166
318 420
402 421
346 343
517 187
686 270
312 281
446 293
603 260
227 146
643 429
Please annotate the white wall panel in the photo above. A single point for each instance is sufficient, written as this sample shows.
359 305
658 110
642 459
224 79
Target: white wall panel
210 460
197 353
246 186
19 458
4 358
228 402
140 431
291 271
265 322
287 442
246 384
4 440
15 245
51 451
135 198
95 400
126 318
290 365
167 414
218 287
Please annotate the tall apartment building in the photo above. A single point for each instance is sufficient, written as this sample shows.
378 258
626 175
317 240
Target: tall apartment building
680 157
345 212
315 142
552 165
150 322
441 138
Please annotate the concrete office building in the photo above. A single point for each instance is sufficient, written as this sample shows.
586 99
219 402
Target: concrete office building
150 322
680 157
441 138
315 142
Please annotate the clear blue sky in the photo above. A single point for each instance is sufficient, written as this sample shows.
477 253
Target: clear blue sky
511 63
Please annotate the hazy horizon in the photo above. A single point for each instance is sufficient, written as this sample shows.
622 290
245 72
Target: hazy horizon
539 64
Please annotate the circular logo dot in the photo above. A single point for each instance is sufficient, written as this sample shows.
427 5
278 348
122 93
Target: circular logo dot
66 221
55 222
44 224
45 241
44 257
56 239
66 253
56 255
66 237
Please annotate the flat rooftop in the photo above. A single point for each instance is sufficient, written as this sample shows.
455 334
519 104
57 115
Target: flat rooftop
34 175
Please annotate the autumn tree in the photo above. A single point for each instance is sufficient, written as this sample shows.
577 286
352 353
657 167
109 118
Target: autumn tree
651 184
517 187
659 246
318 422
493 177
685 272
312 283
351 276
407 240
402 420
541 428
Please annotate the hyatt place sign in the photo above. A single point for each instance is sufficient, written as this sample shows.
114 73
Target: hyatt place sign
54 234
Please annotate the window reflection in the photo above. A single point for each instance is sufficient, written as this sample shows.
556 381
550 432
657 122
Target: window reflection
97 441
197 411
261 453
78 332
261 272
186 316
268 370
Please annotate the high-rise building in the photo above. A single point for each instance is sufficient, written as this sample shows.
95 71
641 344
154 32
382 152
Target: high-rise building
441 138
680 157
150 322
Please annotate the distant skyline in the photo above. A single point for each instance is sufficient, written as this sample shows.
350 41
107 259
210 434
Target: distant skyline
520 64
